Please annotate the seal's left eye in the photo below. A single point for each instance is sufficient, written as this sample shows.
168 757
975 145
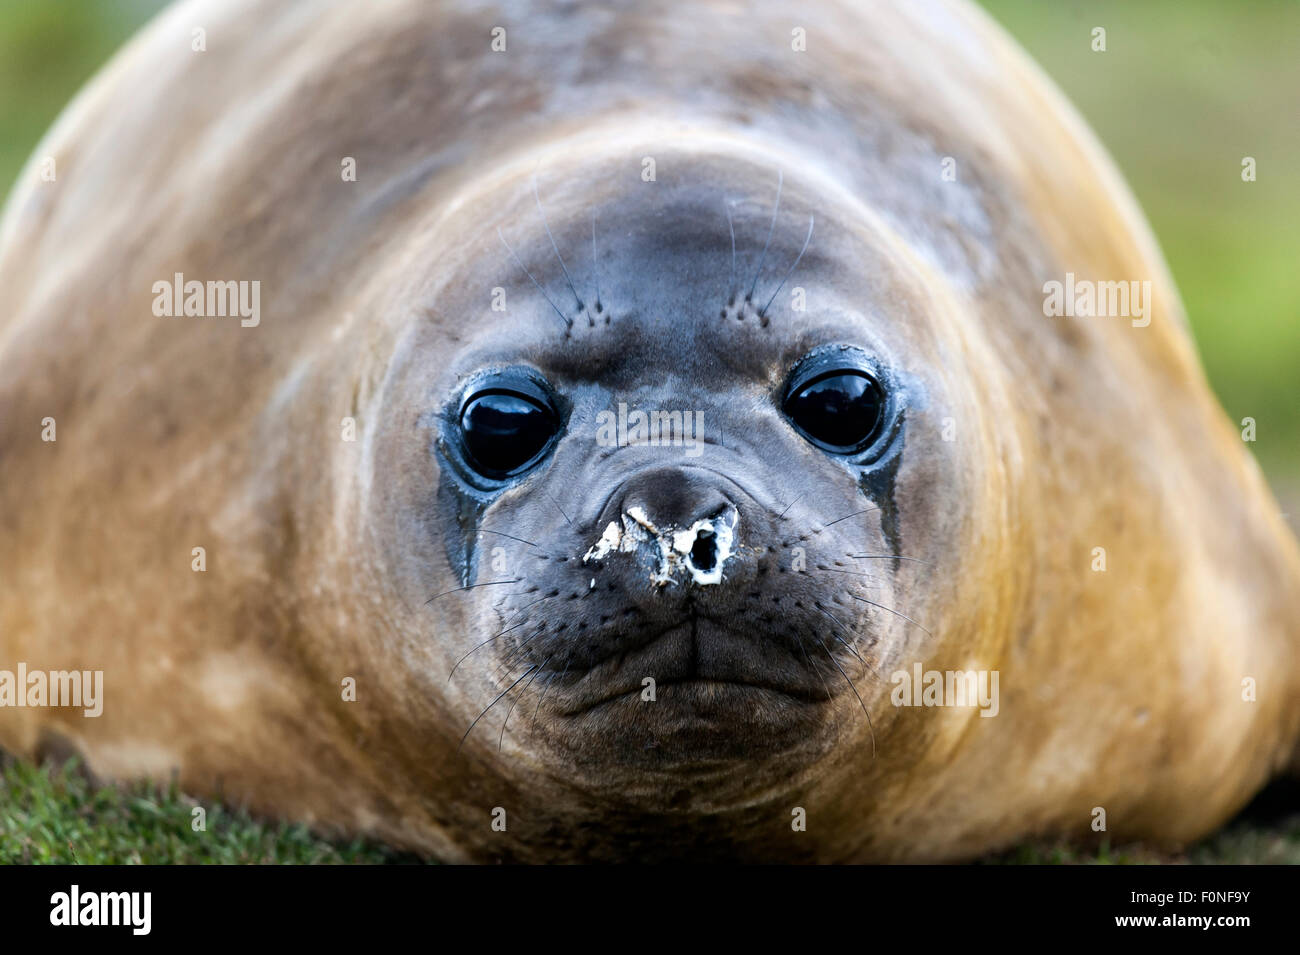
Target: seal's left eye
504 432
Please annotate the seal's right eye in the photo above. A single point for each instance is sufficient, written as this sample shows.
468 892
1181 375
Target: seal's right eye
504 431
840 410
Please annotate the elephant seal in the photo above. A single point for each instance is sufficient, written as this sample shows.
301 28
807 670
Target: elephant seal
634 411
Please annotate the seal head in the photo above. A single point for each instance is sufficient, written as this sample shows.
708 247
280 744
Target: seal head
672 500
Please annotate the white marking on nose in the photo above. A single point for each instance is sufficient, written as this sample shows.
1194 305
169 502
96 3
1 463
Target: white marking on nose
608 541
719 532
676 546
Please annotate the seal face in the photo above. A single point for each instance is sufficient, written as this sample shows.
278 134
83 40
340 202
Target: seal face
685 492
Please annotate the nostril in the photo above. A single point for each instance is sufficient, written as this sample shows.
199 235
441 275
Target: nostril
704 552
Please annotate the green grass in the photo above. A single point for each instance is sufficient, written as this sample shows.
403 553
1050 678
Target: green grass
1245 842
50 815
56 816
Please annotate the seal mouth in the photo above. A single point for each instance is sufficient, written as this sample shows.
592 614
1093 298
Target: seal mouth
698 662
697 690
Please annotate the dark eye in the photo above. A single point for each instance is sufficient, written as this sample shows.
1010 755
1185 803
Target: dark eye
840 410
505 431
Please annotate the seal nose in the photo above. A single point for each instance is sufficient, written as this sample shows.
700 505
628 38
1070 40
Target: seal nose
704 550
674 522
671 497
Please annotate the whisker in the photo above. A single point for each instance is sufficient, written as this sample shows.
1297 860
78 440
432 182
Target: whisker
855 693
481 645
513 655
519 610
731 280
485 583
506 721
848 646
521 593
837 623
865 510
816 669
762 312
595 262
485 530
492 704
885 557
558 508
547 689
890 610
790 505
780 180
865 664
576 297
568 322
851 573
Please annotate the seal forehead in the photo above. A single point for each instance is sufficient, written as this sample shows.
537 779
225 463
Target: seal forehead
720 266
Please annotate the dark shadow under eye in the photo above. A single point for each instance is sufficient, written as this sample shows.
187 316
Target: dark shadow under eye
839 411
503 431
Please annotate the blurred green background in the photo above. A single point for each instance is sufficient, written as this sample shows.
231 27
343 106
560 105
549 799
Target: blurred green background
1185 89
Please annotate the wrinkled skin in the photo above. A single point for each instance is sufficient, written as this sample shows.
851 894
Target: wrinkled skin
1015 443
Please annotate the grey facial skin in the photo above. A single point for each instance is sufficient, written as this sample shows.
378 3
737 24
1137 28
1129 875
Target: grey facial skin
768 659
